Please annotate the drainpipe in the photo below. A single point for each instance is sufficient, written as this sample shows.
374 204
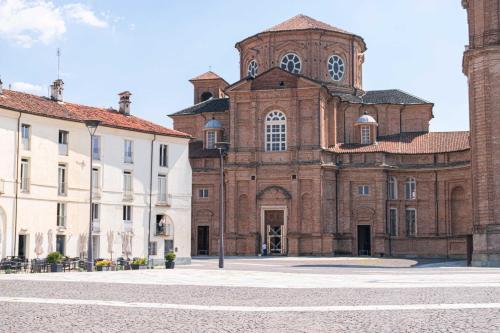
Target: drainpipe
14 243
387 223
337 176
436 193
150 264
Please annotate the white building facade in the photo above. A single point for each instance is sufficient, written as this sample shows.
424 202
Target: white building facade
141 188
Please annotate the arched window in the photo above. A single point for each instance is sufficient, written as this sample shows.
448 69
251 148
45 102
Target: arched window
365 135
393 188
275 131
206 95
410 189
252 69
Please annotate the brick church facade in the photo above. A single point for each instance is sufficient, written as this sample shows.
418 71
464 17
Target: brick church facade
317 165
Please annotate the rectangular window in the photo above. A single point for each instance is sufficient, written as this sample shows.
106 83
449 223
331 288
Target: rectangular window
365 135
211 139
61 214
411 222
203 193
96 184
62 181
152 248
128 151
96 212
96 148
127 185
392 228
63 142
169 245
60 244
363 190
162 188
410 189
25 173
26 136
393 188
127 213
163 155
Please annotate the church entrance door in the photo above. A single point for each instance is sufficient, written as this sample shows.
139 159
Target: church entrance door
203 239
364 240
274 221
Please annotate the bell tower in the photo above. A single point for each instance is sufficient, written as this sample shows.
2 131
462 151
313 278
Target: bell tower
481 65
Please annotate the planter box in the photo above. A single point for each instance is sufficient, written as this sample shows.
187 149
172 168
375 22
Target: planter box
103 268
169 264
56 268
134 266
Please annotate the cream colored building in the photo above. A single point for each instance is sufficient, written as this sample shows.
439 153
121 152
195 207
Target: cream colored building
141 188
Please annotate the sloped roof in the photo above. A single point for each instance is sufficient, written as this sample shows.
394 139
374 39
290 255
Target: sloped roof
45 107
207 76
389 96
411 143
210 105
196 150
304 22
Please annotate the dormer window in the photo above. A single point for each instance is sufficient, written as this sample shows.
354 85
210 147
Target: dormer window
365 135
206 96
211 139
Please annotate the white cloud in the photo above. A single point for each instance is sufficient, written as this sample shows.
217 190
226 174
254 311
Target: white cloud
82 14
27 87
30 21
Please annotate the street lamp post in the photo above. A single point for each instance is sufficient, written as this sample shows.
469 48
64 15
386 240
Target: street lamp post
222 147
92 127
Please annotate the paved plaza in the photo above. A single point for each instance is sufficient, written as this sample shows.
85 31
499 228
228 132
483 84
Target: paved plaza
277 294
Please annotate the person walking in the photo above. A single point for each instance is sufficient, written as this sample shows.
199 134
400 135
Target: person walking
264 249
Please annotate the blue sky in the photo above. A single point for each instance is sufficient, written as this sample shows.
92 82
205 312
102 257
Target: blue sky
153 48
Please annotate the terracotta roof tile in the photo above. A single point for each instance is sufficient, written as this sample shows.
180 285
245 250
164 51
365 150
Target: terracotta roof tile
411 143
46 107
303 22
207 76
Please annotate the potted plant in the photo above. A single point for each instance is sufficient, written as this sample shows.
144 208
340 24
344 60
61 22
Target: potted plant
55 261
170 260
139 263
103 265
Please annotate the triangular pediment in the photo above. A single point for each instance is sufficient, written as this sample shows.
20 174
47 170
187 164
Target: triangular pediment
274 78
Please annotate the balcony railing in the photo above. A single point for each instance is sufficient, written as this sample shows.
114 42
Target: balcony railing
127 225
96 226
63 149
25 185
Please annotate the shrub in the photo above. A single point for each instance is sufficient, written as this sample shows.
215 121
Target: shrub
170 256
54 258
139 261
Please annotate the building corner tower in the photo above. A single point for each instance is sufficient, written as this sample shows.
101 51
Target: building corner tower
481 65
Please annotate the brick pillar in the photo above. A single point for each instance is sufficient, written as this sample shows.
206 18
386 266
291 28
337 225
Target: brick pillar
481 65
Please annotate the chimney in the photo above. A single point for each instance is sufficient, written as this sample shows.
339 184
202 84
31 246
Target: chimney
125 102
56 90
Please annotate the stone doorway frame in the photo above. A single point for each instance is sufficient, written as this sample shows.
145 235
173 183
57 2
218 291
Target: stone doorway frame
263 235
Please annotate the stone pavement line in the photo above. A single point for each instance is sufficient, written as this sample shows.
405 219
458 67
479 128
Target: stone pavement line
451 306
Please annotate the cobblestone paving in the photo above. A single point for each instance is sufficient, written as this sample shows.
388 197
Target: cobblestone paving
99 317
23 317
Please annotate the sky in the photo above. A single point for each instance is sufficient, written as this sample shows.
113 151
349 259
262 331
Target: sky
152 48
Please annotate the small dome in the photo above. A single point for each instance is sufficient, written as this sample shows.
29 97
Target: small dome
213 124
366 119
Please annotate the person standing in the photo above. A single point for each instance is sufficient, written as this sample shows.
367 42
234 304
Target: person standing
264 249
